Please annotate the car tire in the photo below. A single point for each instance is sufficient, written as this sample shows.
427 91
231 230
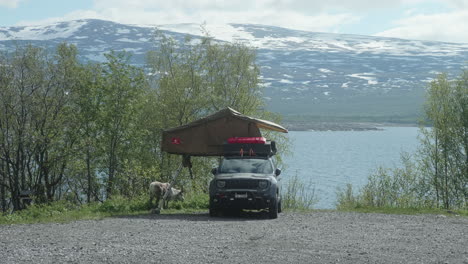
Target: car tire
213 212
273 209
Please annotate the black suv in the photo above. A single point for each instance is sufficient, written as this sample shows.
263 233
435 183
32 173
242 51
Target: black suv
246 182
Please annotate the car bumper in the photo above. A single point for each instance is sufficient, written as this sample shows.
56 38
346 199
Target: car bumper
241 199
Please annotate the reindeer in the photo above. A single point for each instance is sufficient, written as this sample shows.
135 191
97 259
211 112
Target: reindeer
159 189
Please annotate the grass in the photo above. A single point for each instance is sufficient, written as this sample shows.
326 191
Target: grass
63 211
295 199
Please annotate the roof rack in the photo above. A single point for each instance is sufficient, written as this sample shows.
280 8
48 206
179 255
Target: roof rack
264 148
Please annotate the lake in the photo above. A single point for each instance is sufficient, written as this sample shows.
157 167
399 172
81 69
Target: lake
331 159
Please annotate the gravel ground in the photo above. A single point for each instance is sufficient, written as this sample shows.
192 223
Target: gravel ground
317 237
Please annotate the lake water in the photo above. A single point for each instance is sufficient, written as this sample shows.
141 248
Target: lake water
331 159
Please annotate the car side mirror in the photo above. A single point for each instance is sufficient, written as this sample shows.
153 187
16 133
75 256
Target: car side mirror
214 171
277 172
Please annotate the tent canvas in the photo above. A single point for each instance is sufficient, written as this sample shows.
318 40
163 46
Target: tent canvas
206 136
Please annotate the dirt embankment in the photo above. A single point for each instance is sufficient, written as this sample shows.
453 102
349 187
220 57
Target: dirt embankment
317 237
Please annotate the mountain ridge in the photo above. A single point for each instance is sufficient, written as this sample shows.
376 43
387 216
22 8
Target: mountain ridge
303 73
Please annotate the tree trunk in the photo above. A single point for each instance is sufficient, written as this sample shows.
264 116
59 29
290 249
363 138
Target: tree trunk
447 196
110 181
436 168
88 169
2 187
15 195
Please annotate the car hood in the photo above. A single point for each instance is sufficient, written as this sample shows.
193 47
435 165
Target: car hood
227 176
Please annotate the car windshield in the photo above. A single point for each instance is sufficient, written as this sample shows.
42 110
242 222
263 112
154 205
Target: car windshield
246 166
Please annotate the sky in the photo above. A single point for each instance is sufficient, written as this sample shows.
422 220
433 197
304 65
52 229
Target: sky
437 20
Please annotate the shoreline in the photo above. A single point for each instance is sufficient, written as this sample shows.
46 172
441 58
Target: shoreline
342 126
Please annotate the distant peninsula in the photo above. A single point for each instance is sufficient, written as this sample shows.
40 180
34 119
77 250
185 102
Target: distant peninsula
334 126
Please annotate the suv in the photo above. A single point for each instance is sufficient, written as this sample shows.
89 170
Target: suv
246 181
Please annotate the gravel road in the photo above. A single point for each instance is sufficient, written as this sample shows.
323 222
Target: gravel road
316 237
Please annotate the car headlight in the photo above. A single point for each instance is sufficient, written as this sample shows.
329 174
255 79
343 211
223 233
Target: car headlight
262 184
221 184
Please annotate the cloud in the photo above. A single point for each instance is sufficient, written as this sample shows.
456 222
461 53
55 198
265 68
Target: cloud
302 6
75 15
297 14
463 4
10 3
282 13
448 27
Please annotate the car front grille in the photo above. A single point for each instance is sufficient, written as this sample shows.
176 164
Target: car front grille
242 184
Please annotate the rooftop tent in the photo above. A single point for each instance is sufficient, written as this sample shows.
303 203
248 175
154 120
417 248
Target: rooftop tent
206 136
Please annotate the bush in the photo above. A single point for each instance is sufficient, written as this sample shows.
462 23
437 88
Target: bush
346 198
389 188
297 195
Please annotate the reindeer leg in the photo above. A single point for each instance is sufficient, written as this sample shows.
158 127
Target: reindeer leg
151 200
161 203
157 202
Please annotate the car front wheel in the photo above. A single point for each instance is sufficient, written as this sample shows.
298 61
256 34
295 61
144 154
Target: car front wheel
213 212
273 209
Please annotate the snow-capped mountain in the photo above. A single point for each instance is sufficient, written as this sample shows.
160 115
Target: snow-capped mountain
302 72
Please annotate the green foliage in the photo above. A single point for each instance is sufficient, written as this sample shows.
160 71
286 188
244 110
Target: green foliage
64 211
388 188
39 212
121 205
85 132
444 150
347 199
192 79
194 201
438 174
297 195
35 129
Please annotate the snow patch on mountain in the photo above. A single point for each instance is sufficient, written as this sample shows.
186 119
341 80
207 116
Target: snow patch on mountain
325 70
224 32
59 30
286 81
369 77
